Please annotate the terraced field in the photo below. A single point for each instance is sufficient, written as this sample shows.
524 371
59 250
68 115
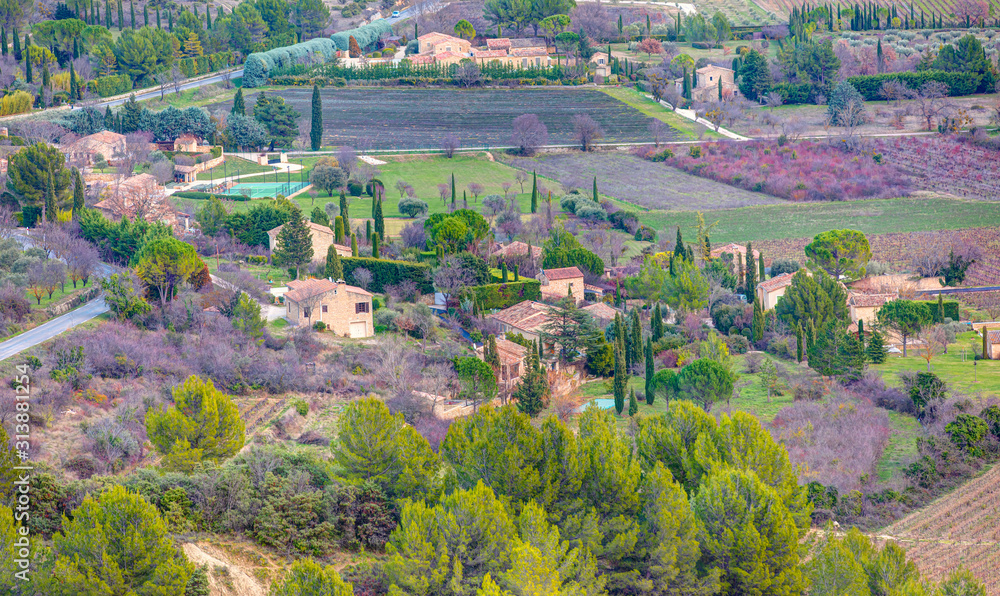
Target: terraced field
958 529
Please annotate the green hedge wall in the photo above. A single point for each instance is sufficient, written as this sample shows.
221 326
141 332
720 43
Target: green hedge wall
500 296
959 83
950 309
193 194
111 85
192 67
793 93
389 273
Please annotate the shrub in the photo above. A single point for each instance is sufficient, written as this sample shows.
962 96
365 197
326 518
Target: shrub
499 296
259 64
412 207
319 326
737 344
301 406
782 266
843 95
645 234
967 432
111 85
17 102
591 211
355 189
386 272
959 83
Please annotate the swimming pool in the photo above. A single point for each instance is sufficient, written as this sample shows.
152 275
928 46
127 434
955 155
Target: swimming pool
256 190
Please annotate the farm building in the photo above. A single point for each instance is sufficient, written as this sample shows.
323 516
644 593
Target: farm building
445 49
515 249
526 318
512 357
345 310
768 292
992 351
560 283
141 197
601 312
322 240
706 83
86 149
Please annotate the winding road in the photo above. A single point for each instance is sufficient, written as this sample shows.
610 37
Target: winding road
47 331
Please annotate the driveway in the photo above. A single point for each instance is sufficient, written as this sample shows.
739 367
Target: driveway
47 331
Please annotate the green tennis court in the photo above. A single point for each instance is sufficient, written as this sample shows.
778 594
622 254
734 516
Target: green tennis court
256 190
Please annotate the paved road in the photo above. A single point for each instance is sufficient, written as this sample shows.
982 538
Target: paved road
47 331
155 92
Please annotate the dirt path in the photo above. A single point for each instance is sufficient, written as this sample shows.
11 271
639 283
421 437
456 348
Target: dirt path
240 582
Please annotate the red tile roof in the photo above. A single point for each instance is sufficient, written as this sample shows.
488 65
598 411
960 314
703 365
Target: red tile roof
509 352
869 300
601 311
499 43
309 288
313 227
526 316
562 273
517 248
489 53
993 336
776 283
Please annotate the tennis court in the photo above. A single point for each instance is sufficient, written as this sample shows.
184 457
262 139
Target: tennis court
256 190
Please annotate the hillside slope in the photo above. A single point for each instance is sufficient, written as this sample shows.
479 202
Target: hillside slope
960 528
945 7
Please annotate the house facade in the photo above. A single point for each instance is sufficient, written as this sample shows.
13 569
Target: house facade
345 310
705 86
865 307
512 364
992 344
560 283
527 318
322 239
440 48
141 197
86 149
770 291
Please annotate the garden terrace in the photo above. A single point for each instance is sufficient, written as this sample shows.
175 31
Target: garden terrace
422 118
800 171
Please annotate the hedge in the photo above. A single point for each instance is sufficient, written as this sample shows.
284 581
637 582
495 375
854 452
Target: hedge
192 194
959 83
950 309
497 296
192 67
111 85
389 273
793 93
365 35
259 64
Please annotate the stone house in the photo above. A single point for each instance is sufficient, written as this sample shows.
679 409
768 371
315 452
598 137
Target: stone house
322 239
141 197
439 43
345 310
560 283
865 307
768 292
516 249
440 48
602 313
992 344
706 83
86 149
734 249
512 365
526 318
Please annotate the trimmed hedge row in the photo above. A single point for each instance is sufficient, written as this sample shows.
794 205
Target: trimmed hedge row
386 272
365 35
111 85
200 65
950 309
193 194
259 64
959 83
497 296
793 93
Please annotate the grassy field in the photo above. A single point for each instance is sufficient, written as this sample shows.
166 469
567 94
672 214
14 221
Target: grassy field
955 368
902 447
234 166
58 295
690 130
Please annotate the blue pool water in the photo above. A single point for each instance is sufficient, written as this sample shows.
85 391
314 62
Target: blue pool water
603 403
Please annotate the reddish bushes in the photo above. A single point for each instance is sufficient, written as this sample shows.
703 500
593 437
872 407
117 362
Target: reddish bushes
801 171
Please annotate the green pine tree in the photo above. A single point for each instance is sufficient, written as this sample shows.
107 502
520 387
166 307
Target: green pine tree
533 388
338 230
379 220
354 245
620 380
596 200
875 351
750 283
761 271
633 404
334 268
294 244
534 193
316 127
798 342
375 238
649 372
657 323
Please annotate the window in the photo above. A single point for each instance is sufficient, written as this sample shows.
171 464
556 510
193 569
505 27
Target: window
325 309
711 78
448 48
360 307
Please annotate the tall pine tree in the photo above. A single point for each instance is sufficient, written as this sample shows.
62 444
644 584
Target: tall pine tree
620 380
316 127
649 372
343 212
534 192
17 45
334 267
751 281
239 104
294 244
78 200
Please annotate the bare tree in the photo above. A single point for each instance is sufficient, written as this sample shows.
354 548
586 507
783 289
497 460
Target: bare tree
394 365
449 144
529 133
138 198
659 131
8 223
227 78
467 73
895 91
521 177
774 100
452 277
363 277
439 380
176 76
443 191
930 100
135 152
475 189
586 130
163 79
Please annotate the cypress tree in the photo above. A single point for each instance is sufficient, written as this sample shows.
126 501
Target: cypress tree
121 16
76 49
316 128
170 21
679 245
17 45
453 191
620 380
649 372
78 202
798 342
107 14
74 90
517 276
334 268
761 271
159 24
758 322
50 200
940 309
379 220
633 405
861 331
375 237
145 15
343 212
636 338
46 76
740 273
534 192
657 324
338 230
620 333
3 42
503 272
27 65
239 104
595 191
368 229
208 19
131 7
751 280
354 244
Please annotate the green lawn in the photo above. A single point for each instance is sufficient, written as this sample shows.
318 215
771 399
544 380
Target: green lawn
234 166
902 447
58 295
276 275
955 368
804 220
633 98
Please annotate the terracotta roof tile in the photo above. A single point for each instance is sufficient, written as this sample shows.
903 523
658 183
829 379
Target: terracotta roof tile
993 336
869 300
526 316
312 287
562 273
776 283
601 311
517 248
